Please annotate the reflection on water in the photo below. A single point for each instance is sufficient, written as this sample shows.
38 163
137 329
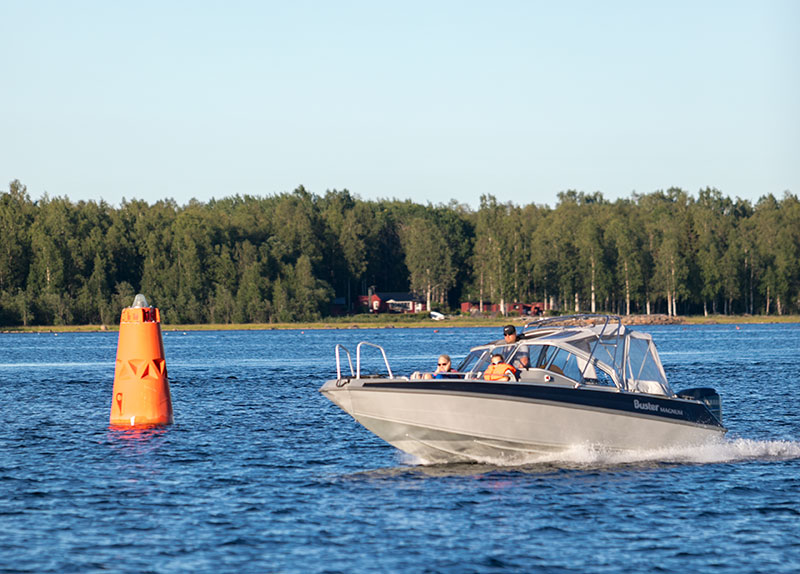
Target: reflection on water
141 434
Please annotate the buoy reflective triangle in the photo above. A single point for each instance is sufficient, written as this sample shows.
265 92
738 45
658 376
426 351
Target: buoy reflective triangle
141 387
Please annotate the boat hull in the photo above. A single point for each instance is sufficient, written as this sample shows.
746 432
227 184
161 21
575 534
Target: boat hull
455 421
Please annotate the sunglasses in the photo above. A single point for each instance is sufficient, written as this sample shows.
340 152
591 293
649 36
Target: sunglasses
443 364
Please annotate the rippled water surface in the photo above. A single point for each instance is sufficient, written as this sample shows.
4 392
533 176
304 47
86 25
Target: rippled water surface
260 473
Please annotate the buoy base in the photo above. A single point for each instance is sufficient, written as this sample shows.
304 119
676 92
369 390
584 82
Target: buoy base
141 402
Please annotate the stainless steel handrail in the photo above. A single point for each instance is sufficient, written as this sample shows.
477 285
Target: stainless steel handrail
338 364
358 358
545 321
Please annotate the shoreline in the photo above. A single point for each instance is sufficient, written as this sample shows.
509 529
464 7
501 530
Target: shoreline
398 321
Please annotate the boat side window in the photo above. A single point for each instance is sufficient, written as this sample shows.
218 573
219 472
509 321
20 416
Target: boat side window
504 350
600 377
565 363
545 355
644 365
519 357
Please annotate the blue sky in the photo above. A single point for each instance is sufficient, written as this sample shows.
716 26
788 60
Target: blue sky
428 101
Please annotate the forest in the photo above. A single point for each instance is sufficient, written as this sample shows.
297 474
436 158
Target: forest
288 257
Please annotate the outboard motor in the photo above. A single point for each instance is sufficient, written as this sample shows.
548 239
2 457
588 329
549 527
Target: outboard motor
706 394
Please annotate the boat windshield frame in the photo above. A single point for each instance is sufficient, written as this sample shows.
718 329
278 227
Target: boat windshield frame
476 361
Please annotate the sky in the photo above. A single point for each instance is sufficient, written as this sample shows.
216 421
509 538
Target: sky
430 101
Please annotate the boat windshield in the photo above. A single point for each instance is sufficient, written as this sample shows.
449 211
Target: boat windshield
479 359
475 361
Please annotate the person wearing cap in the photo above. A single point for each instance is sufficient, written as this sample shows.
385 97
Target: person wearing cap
521 359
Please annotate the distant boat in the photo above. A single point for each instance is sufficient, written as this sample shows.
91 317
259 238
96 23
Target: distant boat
436 316
578 380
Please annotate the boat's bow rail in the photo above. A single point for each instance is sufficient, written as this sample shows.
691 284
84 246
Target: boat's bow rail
356 374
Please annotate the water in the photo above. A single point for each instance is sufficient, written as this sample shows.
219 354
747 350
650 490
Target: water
260 473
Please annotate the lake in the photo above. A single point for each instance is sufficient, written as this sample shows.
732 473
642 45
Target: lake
260 473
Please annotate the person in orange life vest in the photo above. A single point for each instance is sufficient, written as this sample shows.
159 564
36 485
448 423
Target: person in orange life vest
499 371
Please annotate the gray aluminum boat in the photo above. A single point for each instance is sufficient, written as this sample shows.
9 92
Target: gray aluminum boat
586 380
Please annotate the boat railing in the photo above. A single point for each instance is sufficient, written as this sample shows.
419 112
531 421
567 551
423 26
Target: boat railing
338 362
358 358
547 321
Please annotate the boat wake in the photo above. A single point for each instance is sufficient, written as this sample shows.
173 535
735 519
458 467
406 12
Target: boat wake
588 457
722 451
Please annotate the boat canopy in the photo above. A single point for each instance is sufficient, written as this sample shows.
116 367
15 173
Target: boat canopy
602 340
596 349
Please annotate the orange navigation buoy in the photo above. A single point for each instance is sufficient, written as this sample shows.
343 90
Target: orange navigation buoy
141 387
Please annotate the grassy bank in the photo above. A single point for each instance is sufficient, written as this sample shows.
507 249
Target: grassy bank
413 321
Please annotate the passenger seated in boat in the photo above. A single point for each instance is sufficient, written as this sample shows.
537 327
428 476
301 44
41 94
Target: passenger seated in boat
521 359
498 370
443 368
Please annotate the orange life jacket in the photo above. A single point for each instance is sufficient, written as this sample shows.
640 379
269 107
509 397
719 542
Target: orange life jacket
500 372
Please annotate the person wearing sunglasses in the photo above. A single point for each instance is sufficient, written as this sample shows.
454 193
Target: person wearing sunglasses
443 366
521 359
510 334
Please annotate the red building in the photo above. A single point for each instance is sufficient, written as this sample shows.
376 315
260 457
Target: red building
392 303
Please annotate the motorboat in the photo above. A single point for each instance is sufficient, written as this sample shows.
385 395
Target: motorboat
576 380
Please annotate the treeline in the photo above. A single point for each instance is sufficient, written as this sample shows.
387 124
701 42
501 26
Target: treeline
288 257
